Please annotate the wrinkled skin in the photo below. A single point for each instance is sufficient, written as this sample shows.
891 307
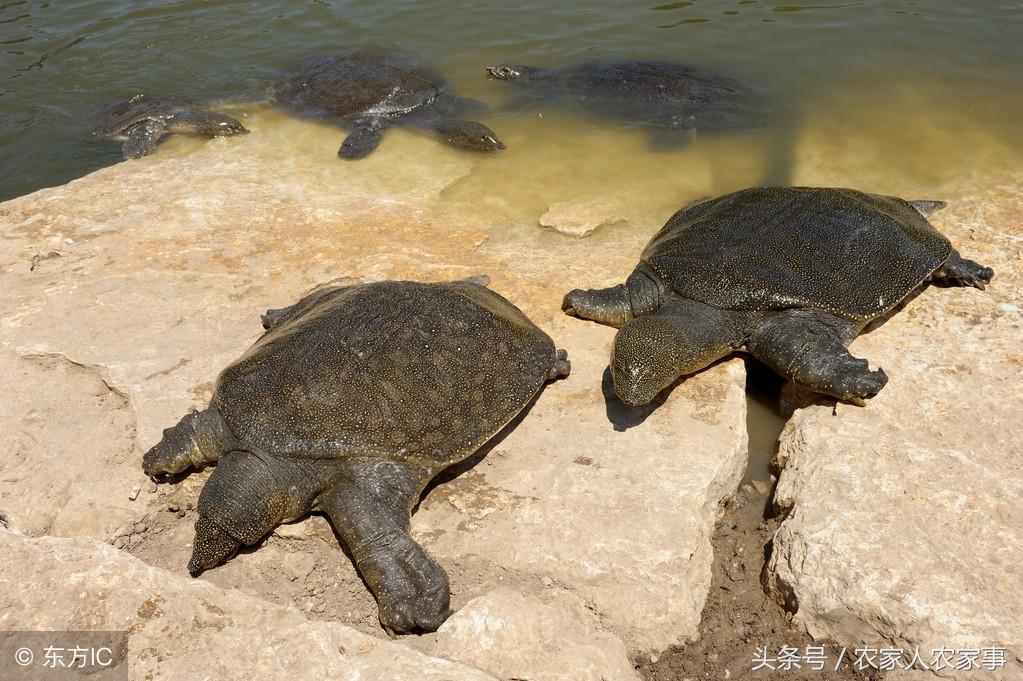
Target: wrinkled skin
142 122
367 94
353 400
789 275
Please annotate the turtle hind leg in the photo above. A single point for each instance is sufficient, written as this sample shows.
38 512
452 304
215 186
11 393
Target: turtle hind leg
809 348
370 508
960 271
562 367
363 139
196 440
143 138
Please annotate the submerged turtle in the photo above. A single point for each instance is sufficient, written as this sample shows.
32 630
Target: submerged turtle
350 403
141 121
366 94
664 95
790 275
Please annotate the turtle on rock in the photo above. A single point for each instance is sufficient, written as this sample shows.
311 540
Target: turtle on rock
366 94
141 122
673 100
791 275
350 403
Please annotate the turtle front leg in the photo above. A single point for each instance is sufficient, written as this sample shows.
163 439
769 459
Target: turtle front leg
959 271
363 139
639 295
370 508
196 440
142 138
809 348
274 317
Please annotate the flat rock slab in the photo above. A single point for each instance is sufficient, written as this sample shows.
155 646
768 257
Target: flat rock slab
515 636
150 276
179 628
579 218
905 525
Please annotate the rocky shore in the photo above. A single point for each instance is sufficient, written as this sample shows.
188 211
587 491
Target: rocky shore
579 540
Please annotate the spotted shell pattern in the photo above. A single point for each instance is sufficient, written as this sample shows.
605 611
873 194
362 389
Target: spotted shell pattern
421 373
852 254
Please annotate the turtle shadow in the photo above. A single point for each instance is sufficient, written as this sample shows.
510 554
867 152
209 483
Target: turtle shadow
623 416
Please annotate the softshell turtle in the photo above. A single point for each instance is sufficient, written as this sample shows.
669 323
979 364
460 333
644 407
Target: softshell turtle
350 403
365 94
790 275
670 97
141 121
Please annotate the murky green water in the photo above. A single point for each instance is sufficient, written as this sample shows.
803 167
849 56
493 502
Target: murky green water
932 87
893 96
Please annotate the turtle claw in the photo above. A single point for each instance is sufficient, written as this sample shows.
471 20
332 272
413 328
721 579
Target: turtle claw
858 388
412 592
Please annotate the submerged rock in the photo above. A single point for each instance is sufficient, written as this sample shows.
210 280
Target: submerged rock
905 518
579 218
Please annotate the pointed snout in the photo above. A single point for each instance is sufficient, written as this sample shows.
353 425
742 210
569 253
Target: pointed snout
502 72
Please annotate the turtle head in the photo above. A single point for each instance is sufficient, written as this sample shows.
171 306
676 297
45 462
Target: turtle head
469 135
241 502
511 72
644 359
219 125
213 124
212 546
651 352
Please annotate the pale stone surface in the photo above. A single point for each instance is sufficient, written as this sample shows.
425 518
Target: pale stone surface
514 636
579 218
905 523
152 275
179 628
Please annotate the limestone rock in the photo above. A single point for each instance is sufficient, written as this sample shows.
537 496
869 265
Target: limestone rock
68 444
511 635
579 218
905 520
186 629
156 286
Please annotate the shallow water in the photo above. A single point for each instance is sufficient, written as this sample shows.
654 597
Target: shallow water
893 96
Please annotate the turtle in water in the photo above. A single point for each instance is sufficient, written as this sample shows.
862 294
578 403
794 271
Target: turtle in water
350 403
366 94
141 121
790 275
676 100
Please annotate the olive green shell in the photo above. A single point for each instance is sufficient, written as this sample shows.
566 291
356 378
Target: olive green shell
422 373
853 254
354 85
